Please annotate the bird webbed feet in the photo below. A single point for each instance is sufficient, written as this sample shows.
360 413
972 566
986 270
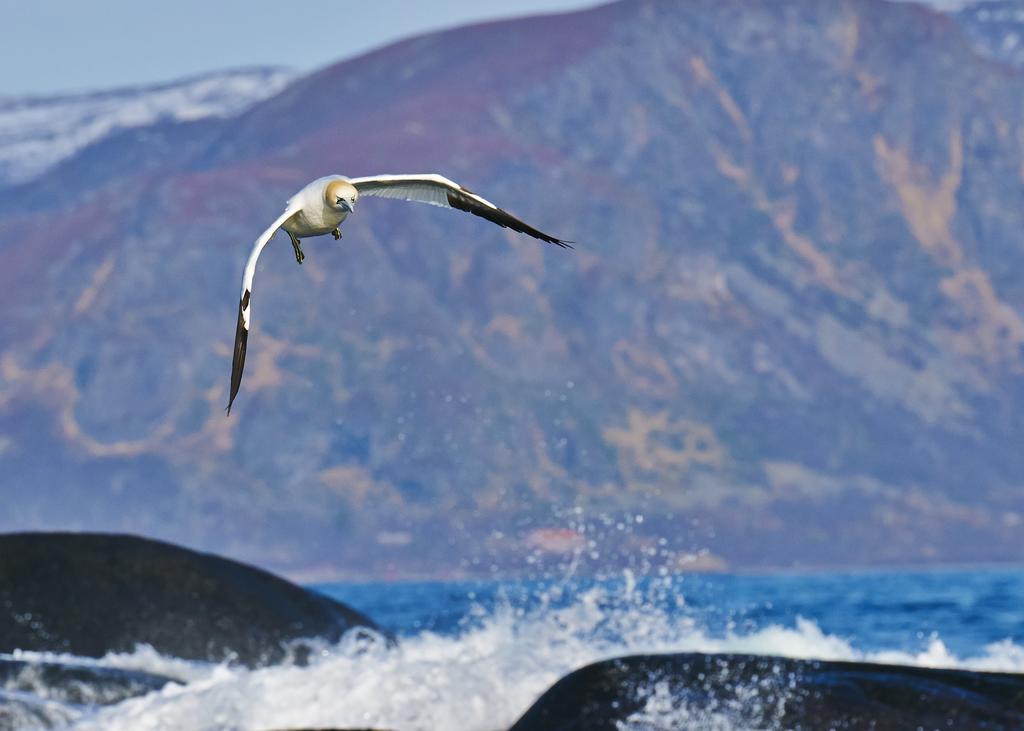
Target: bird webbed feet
297 245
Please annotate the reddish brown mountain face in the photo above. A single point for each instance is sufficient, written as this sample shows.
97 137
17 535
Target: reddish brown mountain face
791 331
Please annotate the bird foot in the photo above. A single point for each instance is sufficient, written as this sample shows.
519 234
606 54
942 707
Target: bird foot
299 255
336 233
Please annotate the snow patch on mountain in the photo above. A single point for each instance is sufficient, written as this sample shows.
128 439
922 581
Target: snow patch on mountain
37 133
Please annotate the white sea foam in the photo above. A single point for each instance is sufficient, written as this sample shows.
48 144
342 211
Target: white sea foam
662 710
144 659
480 680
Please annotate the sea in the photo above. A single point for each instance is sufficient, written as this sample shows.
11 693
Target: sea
474 655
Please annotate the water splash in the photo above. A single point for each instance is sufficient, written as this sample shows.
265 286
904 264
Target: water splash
485 676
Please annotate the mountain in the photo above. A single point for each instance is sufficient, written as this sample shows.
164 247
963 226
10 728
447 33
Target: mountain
37 133
791 333
996 29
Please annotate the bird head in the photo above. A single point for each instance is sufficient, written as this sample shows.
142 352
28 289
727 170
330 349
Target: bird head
341 195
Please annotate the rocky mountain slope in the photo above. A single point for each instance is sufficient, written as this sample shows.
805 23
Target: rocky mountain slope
791 332
995 29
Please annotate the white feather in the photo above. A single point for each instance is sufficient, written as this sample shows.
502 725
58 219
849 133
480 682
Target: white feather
427 188
293 207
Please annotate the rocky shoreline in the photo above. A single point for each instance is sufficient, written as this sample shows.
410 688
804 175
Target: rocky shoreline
66 597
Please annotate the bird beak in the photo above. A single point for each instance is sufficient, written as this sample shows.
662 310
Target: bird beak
345 204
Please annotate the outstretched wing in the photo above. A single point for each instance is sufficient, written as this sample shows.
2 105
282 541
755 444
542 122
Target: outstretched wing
437 190
245 306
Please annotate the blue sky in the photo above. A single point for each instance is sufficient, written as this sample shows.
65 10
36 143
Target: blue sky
70 45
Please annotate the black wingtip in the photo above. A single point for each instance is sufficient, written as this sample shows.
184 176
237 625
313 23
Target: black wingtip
463 200
238 359
564 243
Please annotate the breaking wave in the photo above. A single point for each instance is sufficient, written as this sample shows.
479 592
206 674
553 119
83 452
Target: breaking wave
482 677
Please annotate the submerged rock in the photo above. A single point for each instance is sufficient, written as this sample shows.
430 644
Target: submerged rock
51 694
90 594
78 684
697 691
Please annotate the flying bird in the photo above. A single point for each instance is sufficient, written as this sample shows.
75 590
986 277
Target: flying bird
322 206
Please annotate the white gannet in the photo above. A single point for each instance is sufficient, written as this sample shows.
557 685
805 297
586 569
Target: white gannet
324 204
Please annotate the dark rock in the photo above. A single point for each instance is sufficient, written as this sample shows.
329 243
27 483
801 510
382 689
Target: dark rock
774 692
90 594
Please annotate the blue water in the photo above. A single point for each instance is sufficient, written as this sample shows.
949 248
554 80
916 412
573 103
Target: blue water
903 611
